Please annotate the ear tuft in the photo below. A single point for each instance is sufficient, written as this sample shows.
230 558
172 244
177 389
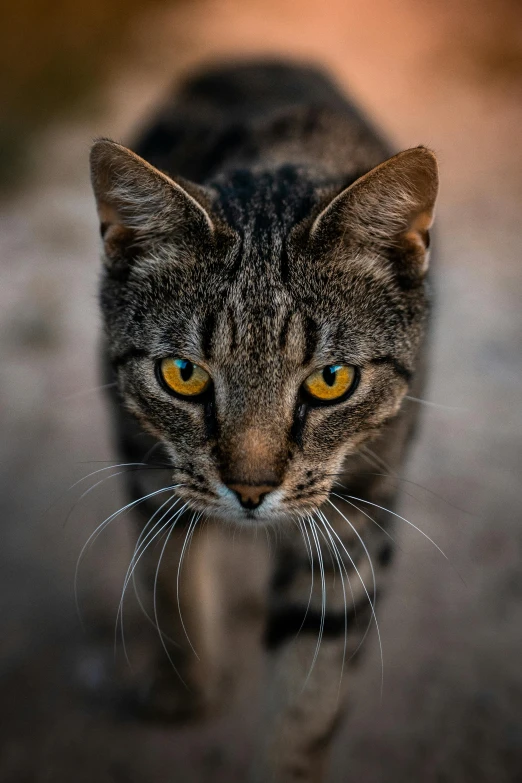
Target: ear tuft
389 209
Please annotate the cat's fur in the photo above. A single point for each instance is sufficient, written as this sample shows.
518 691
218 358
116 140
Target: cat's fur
271 252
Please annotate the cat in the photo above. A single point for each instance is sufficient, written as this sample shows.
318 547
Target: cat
265 302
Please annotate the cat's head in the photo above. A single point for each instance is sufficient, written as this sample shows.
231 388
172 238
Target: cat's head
263 328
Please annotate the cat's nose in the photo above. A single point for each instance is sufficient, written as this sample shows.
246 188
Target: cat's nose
251 495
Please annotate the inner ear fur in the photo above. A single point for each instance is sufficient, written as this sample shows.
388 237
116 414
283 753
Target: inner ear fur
138 204
390 209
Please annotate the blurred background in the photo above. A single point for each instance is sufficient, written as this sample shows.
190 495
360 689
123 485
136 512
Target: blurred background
445 74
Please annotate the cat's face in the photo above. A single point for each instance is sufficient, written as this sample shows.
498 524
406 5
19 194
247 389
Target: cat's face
261 352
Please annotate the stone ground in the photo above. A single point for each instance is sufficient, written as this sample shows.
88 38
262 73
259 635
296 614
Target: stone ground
448 75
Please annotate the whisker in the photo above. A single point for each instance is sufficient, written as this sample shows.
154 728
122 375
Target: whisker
84 478
152 449
302 528
359 538
430 491
341 565
320 515
374 460
268 543
120 610
431 404
141 543
361 500
381 463
101 527
368 626
145 539
145 612
323 596
84 392
109 467
163 465
396 477
383 508
372 604
386 533
154 593
330 552
87 492
300 524
188 537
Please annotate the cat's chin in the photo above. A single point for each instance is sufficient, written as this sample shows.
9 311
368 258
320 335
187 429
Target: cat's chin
252 518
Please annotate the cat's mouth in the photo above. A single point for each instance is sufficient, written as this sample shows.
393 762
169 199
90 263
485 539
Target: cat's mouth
249 504
254 504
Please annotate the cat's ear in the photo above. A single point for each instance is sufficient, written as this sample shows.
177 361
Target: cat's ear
389 209
138 205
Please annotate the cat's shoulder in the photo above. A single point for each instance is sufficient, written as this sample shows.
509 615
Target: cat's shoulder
266 112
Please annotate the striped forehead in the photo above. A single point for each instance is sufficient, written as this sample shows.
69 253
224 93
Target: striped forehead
258 319
243 332
262 202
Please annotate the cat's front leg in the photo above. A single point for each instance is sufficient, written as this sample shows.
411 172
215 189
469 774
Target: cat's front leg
301 718
312 650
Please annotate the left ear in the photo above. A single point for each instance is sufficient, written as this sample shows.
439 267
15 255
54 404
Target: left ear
138 205
390 209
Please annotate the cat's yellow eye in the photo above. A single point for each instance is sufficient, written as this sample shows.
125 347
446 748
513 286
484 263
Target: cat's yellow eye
184 377
331 382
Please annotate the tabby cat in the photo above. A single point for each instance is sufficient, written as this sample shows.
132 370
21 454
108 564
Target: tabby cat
265 305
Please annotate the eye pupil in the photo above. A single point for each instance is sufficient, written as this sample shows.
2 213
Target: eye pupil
186 369
332 383
329 374
183 377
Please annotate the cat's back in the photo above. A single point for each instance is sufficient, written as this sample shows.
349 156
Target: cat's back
260 115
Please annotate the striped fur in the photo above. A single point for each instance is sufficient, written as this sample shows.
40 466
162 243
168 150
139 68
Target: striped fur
262 230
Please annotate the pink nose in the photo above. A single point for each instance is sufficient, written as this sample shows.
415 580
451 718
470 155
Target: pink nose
251 495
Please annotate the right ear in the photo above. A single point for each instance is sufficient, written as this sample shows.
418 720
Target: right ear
389 209
138 205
